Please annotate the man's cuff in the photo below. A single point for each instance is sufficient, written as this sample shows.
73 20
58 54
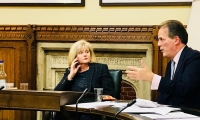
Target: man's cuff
155 82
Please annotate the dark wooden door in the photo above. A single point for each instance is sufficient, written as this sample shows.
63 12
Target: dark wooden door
19 64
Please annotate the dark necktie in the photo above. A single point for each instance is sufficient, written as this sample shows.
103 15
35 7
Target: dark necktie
172 69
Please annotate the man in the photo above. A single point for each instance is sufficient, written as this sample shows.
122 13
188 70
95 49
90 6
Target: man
181 84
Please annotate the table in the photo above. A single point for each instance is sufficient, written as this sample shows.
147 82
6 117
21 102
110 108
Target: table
36 100
56 101
43 100
107 112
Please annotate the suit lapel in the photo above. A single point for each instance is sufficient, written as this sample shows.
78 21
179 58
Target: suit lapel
180 62
90 77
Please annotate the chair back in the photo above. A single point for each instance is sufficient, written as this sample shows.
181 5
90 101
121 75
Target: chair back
117 78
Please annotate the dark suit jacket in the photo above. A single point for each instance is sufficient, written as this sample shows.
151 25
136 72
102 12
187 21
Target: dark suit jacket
100 78
184 89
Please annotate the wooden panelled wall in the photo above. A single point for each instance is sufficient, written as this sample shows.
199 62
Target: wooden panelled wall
18 50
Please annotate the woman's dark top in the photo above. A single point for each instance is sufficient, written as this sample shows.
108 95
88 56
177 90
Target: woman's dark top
97 76
80 81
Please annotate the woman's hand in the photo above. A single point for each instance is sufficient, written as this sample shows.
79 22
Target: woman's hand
73 69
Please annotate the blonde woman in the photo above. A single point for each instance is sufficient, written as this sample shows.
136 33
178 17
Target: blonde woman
84 72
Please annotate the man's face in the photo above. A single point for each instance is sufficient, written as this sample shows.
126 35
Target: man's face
166 44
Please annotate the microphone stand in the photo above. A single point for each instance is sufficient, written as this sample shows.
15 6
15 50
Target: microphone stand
128 105
84 92
2 87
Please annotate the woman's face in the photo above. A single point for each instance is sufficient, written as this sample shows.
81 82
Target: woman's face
83 55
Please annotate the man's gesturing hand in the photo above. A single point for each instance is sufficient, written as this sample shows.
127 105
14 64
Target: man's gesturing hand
140 73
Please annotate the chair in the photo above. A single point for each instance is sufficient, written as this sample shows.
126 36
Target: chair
117 78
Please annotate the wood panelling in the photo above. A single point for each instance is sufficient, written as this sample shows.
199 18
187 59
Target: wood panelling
18 49
17 53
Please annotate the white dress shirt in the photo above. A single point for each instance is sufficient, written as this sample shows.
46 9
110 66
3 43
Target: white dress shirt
156 78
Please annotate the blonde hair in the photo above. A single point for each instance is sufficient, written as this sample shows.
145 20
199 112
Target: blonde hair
76 47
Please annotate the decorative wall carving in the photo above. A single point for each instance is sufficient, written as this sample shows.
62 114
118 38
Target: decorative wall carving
106 60
12 36
102 38
94 28
119 61
60 60
18 32
95 33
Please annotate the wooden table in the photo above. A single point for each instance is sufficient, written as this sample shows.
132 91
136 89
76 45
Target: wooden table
37 100
107 112
111 111
56 101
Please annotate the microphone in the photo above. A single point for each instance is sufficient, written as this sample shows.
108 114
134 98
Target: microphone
84 93
128 105
2 87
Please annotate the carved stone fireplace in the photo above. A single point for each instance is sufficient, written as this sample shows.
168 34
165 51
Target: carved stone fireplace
52 61
116 46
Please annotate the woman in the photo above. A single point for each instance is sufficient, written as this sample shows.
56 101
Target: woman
84 72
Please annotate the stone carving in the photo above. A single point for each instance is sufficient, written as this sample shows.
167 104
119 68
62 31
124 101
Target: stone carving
59 59
59 76
119 61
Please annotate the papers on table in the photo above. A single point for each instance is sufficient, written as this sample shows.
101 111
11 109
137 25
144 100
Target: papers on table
147 106
98 104
140 103
158 110
144 108
172 115
146 103
163 110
